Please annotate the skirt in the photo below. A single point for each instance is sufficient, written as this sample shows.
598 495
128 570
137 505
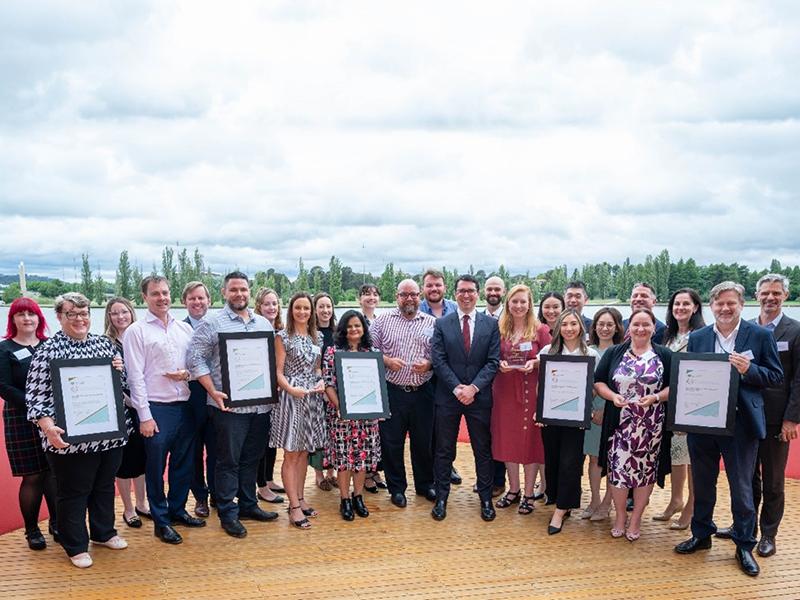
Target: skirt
23 444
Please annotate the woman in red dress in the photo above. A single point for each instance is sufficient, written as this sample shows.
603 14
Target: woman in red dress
515 438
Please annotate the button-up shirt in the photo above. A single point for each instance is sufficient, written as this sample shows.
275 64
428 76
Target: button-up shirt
471 320
408 339
724 344
448 306
152 349
203 356
496 314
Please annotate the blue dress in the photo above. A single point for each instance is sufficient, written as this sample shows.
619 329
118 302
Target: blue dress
591 439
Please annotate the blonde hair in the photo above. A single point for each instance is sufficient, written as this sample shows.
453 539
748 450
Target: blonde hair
507 321
260 295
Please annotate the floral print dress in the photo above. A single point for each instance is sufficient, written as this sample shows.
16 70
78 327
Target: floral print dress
633 453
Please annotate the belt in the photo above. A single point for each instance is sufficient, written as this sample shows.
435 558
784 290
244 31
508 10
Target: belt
407 388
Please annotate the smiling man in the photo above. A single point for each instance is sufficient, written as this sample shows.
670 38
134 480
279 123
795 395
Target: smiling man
643 295
575 297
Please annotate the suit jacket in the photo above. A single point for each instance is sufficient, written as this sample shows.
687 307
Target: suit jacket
765 370
197 393
782 403
453 366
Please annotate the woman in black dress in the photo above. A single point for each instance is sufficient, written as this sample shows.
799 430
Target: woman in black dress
25 329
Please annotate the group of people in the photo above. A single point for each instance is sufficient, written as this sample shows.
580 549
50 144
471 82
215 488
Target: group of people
444 361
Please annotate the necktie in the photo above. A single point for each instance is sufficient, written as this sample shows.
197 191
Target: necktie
770 326
465 332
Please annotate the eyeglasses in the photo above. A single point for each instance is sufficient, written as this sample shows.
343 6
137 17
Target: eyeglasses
463 292
405 295
74 316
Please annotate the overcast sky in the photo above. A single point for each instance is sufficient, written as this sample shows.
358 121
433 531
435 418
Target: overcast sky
425 133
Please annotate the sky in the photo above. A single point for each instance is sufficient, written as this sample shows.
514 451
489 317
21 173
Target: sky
526 133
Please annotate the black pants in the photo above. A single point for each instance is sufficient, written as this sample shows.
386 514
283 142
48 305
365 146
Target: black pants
85 481
563 464
266 466
769 479
448 420
412 414
204 450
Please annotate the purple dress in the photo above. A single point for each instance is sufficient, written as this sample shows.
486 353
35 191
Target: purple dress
634 448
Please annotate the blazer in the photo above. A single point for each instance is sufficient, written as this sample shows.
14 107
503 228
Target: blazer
605 373
782 403
453 366
197 393
765 370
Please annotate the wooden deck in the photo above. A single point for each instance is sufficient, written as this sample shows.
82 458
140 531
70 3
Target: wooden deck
404 553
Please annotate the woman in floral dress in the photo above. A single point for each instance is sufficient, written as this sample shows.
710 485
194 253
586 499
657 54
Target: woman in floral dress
634 447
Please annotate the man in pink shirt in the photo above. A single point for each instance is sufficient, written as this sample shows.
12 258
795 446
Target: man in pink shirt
155 362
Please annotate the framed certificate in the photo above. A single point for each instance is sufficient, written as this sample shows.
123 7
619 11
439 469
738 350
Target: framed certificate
703 391
361 385
87 393
247 362
565 390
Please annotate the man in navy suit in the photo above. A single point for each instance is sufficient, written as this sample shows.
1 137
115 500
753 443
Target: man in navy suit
643 295
752 351
465 353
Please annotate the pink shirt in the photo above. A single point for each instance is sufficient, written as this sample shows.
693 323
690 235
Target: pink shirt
152 349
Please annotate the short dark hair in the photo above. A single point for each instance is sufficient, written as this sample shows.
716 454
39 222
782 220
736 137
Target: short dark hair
234 275
340 339
578 284
368 287
152 279
547 296
469 278
645 285
619 329
436 274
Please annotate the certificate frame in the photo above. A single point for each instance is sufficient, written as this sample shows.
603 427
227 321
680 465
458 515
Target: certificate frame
260 390
349 399
105 420
576 412
679 418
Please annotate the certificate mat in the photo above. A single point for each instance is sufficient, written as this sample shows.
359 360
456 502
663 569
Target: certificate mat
361 385
565 390
703 391
87 393
247 365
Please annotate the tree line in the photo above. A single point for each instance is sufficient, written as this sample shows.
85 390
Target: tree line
604 281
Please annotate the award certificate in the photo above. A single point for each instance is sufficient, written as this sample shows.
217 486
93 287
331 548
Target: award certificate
247 362
702 395
565 390
361 385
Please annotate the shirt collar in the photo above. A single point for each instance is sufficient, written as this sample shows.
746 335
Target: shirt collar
150 317
471 315
733 333
233 315
774 321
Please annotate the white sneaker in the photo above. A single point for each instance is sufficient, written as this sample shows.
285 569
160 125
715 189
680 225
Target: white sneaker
82 560
115 543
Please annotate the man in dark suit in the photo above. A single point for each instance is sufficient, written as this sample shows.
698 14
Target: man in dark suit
575 297
643 295
465 353
753 353
782 409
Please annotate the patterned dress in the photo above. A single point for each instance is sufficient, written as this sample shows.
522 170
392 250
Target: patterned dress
299 423
634 448
679 450
353 444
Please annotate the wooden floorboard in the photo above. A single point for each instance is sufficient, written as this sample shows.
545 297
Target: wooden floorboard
405 554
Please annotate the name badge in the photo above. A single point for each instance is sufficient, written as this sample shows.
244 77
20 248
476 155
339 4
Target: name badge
428 332
783 346
748 354
316 349
526 346
22 353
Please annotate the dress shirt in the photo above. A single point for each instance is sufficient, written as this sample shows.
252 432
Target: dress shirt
203 358
195 323
496 314
471 322
725 345
772 325
151 349
448 306
408 339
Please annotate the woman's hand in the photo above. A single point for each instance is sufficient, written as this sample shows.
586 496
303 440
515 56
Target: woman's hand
117 363
297 392
53 435
504 368
619 401
648 400
597 417
530 365
319 388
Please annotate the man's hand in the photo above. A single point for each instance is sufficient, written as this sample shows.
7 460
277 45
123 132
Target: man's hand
179 375
421 366
739 361
788 431
393 364
219 399
148 428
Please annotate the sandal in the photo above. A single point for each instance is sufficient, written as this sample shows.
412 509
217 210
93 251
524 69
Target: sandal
617 533
632 536
134 521
526 505
507 500
333 481
601 514
309 512
302 523
324 484
376 479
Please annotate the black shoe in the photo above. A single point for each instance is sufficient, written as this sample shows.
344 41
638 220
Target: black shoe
167 534
629 505
455 478
54 532
35 539
234 528
201 509
144 515
439 511
487 510
766 546
693 544
537 497
747 563
346 509
553 530
399 500
549 501
724 533
188 520
212 502
257 514
429 494
359 506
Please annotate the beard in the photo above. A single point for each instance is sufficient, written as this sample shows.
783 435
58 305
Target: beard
493 300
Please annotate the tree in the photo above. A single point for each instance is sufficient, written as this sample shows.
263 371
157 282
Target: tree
11 293
503 274
99 288
301 283
136 280
335 279
661 270
87 283
169 271
386 284
122 282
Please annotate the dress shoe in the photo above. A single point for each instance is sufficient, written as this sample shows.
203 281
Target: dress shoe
54 532
82 560
693 544
487 510
234 528
399 500
212 502
201 509
274 500
115 543
766 546
724 533
429 495
455 478
553 530
439 511
36 540
359 506
188 520
747 563
167 534
346 509
257 514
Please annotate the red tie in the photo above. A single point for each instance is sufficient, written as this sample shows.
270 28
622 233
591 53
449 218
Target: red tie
465 332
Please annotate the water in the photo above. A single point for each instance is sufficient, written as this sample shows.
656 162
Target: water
749 312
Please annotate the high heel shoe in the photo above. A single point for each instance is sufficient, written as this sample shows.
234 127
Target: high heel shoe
346 509
667 514
359 506
309 512
300 524
552 529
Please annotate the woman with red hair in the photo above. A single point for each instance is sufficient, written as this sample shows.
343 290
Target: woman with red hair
25 329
